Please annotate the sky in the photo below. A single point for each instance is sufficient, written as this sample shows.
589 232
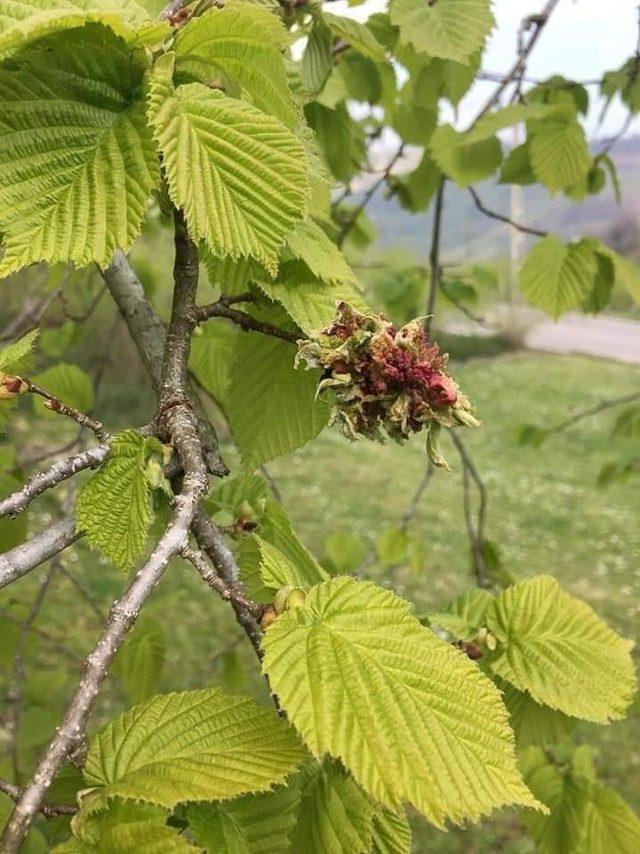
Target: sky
583 39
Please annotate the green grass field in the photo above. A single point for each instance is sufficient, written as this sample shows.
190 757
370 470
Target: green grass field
546 515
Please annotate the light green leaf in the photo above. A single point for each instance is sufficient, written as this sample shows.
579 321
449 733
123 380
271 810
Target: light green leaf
242 42
140 660
356 34
252 170
626 271
411 717
533 723
517 168
335 815
556 648
191 746
559 154
450 29
68 383
317 61
123 828
77 162
254 824
309 243
23 22
311 303
114 507
338 138
276 570
465 162
557 276
272 408
232 276
346 551
471 606
14 356
391 833
419 187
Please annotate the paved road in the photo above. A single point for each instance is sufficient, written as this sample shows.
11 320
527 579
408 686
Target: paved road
607 337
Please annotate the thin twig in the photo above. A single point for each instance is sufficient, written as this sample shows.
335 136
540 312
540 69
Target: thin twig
226 592
48 810
20 560
435 270
243 320
412 507
526 229
475 530
57 473
60 408
596 409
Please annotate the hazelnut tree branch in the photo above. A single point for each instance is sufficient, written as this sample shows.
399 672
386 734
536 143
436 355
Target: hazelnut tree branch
60 408
526 229
245 321
27 556
48 810
475 529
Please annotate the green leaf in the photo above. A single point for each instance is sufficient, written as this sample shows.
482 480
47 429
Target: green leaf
420 186
517 168
627 273
14 356
114 507
243 43
559 154
411 717
317 61
271 408
253 183
212 356
358 35
556 648
77 162
335 815
391 833
557 276
68 383
471 606
309 243
232 276
338 137
253 824
140 660
191 746
123 828
450 29
23 22
345 550
610 824
391 546
533 723
465 162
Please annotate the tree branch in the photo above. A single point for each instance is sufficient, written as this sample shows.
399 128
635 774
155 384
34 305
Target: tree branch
503 218
435 271
25 557
60 408
48 810
601 406
475 530
226 592
51 477
243 320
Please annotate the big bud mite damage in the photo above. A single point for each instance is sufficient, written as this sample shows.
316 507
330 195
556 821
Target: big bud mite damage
385 379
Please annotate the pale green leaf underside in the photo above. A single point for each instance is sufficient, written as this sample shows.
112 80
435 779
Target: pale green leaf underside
335 815
191 746
556 277
310 244
114 507
252 182
411 717
449 29
556 648
272 407
243 42
77 162
253 824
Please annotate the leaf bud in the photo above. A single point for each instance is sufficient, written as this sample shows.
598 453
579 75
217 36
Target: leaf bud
11 386
296 598
280 599
268 616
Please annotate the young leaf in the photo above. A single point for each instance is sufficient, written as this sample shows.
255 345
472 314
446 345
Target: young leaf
191 746
276 570
533 723
317 62
627 273
450 29
253 824
559 154
114 507
77 162
252 182
464 161
335 815
556 648
243 43
140 660
557 276
14 356
411 717
270 404
610 824
124 827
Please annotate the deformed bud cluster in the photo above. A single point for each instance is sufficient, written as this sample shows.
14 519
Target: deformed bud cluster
385 379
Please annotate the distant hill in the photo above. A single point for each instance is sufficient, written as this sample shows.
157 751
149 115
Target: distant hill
469 235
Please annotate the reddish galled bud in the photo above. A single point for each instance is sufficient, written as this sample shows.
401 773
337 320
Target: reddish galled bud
472 651
11 386
443 388
268 617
